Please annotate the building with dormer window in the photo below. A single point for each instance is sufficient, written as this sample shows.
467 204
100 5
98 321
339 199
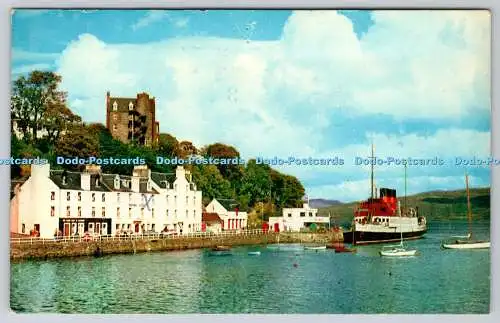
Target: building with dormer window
105 204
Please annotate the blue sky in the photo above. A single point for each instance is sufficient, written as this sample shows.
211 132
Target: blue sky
285 83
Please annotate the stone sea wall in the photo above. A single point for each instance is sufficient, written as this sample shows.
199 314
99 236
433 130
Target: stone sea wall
60 249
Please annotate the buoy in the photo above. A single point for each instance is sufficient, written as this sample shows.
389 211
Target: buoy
295 265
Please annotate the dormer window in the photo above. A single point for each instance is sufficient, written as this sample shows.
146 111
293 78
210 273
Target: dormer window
131 106
64 178
117 182
97 182
115 106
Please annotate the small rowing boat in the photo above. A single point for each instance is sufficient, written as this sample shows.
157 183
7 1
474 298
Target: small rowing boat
254 253
315 248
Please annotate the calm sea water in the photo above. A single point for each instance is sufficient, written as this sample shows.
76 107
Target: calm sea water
436 281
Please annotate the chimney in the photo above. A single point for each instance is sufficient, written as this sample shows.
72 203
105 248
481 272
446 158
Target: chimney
142 171
135 184
85 181
180 172
93 169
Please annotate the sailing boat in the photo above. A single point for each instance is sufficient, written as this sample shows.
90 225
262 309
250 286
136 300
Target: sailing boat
466 242
399 250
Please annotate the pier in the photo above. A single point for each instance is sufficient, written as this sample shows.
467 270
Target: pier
39 248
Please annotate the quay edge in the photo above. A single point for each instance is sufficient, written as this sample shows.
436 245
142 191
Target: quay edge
63 249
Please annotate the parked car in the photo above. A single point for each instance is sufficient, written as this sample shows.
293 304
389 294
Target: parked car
168 233
150 233
123 233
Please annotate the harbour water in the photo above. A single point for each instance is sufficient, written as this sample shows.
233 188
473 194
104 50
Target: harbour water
285 282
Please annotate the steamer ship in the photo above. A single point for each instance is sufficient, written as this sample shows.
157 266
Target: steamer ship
382 219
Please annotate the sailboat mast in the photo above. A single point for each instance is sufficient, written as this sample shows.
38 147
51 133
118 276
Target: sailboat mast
372 168
469 212
405 188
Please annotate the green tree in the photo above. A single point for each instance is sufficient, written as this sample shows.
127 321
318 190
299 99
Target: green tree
31 97
79 142
209 180
168 145
256 182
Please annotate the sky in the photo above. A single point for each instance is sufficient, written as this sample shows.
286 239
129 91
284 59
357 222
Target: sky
320 84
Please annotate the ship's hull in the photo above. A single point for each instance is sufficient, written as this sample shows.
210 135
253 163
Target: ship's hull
366 237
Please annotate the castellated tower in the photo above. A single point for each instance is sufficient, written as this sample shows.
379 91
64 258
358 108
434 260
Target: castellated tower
132 120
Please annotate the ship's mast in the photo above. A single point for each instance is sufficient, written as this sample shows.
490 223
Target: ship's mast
405 188
372 168
469 212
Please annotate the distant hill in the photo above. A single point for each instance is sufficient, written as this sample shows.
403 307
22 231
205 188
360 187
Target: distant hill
435 205
319 203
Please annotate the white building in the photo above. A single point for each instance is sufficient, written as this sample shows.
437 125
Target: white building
73 202
232 218
295 219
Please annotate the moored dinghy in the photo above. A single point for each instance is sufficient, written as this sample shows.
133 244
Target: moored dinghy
399 250
466 242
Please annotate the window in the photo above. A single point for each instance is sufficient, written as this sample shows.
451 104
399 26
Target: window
117 182
130 105
115 106
149 227
194 200
142 212
187 214
187 199
93 197
118 197
103 197
302 213
128 226
103 212
68 212
68 196
117 227
23 230
52 196
52 211
289 215
79 196
310 214
167 212
175 200
117 212
130 197
152 227
148 185
152 213
93 211
175 213
115 117
114 127
79 211
129 212
194 214
175 187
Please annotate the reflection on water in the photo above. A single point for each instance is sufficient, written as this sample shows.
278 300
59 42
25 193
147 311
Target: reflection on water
436 281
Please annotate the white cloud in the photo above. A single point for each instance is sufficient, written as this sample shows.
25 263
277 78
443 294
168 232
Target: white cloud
278 97
153 16
149 18
22 55
29 68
